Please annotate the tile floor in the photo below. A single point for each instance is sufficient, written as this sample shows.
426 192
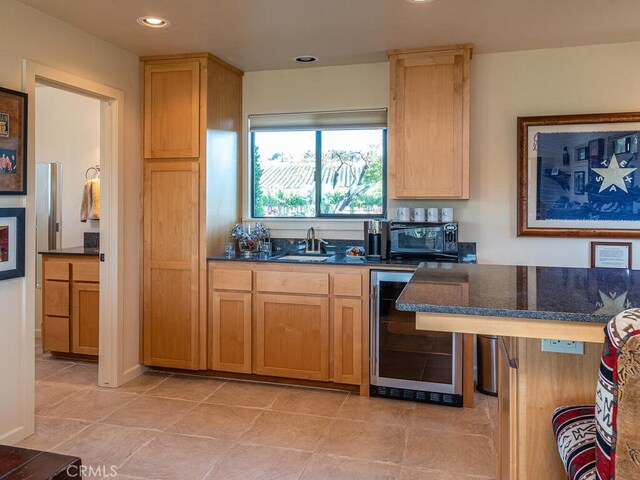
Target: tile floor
180 427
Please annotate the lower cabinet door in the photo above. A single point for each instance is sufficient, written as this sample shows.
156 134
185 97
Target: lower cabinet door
85 318
292 336
347 340
55 334
231 332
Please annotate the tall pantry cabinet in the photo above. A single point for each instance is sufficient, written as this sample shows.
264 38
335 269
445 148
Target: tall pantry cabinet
192 114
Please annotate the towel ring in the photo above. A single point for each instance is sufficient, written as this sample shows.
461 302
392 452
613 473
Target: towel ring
96 173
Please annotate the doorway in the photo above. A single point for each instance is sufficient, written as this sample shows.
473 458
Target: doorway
67 191
112 371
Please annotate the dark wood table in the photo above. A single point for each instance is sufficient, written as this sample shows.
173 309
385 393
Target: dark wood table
21 463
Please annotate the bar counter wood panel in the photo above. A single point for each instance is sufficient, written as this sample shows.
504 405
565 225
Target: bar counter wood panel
545 381
542 382
511 327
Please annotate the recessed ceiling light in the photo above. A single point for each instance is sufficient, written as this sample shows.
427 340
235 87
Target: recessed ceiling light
305 59
154 22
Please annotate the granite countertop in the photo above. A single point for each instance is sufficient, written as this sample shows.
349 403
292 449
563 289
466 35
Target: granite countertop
547 293
336 259
83 251
337 250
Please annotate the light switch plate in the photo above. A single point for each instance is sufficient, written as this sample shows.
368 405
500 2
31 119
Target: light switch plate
562 346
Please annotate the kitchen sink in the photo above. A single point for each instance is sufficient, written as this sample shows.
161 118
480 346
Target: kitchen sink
304 257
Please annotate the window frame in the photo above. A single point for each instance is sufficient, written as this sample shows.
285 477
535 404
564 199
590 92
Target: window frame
318 180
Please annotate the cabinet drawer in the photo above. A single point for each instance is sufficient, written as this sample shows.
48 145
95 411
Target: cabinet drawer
86 272
292 282
231 279
347 285
55 334
56 298
56 270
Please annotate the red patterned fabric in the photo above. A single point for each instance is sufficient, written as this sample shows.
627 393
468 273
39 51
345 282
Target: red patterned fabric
606 406
575 431
616 332
571 425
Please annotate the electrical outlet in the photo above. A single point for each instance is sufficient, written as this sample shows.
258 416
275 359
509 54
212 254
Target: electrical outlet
562 346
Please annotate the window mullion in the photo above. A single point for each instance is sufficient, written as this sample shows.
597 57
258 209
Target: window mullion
318 176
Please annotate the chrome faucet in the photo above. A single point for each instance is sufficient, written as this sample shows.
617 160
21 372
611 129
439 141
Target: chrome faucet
311 240
311 244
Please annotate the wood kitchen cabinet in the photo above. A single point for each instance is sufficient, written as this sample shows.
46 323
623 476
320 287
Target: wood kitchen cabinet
230 320
71 304
292 336
85 312
170 287
429 122
192 124
172 109
347 331
231 331
305 323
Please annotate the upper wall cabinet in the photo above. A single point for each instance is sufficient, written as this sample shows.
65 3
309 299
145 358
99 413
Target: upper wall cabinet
172 109
429 122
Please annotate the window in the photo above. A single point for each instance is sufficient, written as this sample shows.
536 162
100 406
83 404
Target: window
319 165
582 153
628 144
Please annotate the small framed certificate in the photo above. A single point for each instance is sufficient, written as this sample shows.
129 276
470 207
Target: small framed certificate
611 255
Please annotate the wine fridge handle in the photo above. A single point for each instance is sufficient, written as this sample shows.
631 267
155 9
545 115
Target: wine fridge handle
373 335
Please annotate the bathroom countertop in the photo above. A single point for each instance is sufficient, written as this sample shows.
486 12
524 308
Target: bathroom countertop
87 252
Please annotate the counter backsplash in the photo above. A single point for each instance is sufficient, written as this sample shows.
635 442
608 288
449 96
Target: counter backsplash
466 250
91 239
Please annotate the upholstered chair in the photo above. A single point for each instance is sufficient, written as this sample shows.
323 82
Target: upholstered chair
602 442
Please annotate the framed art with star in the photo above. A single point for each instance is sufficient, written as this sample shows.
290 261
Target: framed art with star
579 175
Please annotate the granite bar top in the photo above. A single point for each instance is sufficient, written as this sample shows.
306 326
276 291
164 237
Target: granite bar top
82 251
547 293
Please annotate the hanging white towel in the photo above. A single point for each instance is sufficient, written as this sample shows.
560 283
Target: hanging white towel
90 207
94 213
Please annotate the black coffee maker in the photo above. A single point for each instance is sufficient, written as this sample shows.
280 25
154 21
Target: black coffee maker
376 239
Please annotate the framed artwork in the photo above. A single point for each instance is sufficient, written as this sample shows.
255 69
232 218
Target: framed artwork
13 142
579 175
611 255
11 243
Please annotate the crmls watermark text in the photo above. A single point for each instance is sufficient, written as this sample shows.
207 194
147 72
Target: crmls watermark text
90 471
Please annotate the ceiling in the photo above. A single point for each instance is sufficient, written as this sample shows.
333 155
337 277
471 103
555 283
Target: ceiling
267 34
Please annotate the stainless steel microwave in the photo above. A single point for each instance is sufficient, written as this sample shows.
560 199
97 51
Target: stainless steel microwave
423 240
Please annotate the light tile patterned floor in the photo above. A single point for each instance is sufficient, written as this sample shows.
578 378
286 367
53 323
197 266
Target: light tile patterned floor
180 427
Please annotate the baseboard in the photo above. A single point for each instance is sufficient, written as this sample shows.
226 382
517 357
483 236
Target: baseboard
132 373
129 375
15 435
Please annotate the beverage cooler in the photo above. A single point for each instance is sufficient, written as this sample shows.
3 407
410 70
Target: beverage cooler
407 363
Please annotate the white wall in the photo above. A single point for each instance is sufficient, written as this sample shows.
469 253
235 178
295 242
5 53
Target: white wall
68 132
503 86
35 36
